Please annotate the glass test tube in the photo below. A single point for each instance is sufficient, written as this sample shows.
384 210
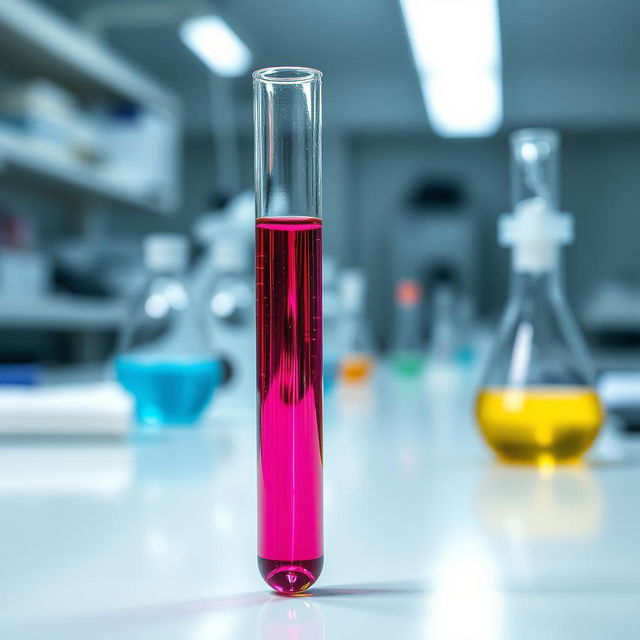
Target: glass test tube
287 114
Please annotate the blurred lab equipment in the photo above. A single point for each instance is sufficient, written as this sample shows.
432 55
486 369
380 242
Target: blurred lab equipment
453 337
164 358
330 321
442 372
611 312
222 279
435 234
444 323
231 300
620 393
229 222
287 108
24 270
355 339
230 309
88 266
467 338
407 347
235 214
537 402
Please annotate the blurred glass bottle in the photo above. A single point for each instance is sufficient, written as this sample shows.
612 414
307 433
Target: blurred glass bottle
356 343
331 321
407 352
163 356
537 402
465 351
443 330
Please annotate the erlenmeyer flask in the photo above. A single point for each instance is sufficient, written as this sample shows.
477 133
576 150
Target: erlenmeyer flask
164 357
537 403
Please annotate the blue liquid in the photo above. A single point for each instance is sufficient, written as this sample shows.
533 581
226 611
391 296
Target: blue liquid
465 354
329 373
169 392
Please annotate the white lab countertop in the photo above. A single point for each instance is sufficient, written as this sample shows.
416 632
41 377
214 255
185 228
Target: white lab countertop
426 536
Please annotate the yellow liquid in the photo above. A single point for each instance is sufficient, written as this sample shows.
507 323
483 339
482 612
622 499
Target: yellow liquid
356 368
539 425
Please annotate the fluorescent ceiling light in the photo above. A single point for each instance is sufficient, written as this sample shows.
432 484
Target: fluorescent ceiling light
216 44
456 48
463 104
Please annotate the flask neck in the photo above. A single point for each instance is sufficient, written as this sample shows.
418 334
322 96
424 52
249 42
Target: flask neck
535 284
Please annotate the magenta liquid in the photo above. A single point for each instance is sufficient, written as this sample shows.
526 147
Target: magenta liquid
289 363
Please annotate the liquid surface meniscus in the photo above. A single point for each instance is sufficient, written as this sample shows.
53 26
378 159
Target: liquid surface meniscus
169 391
539 425
289 376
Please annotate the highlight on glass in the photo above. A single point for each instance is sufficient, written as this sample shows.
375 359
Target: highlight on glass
287 115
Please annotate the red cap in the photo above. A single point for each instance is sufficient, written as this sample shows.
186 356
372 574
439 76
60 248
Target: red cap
408 292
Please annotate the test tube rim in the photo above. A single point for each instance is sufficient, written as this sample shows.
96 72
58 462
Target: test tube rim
270 75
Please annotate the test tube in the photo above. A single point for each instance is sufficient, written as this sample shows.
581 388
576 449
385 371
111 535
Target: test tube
287 115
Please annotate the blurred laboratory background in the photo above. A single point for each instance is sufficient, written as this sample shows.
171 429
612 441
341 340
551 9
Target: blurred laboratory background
127 205
111 128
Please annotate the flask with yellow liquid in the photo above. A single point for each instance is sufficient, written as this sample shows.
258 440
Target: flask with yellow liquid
537 402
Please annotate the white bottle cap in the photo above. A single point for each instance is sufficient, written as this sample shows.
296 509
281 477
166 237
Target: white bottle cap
166 252
352 289
535 231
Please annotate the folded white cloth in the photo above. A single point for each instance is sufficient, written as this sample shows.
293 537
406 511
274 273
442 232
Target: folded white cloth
96 409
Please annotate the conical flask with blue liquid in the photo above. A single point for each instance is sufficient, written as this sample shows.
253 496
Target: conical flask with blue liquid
164 355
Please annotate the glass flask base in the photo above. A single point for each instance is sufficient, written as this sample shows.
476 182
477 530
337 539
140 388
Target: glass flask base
539 426
169 392
290 577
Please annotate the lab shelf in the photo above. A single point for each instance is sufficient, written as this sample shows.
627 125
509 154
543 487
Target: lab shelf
60 312
36 43
19 158
40 43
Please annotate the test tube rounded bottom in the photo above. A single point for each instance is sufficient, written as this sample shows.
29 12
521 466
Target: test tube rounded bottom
290 577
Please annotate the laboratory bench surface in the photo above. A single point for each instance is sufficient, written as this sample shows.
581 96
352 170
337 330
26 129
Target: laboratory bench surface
154 537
